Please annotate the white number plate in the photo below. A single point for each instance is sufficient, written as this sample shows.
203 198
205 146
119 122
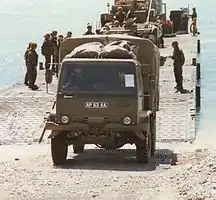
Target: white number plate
96 105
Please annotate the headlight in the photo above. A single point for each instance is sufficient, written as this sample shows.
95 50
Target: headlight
127 120
65 119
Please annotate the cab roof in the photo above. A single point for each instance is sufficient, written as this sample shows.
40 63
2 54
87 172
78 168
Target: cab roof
146 51
99 60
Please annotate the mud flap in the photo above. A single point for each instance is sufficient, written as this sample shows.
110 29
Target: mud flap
140 135
143 147
141 131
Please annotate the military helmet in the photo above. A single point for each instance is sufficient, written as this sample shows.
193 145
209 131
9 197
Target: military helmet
54 33
119 8
33 45
89 25
175 44
29 45
47 35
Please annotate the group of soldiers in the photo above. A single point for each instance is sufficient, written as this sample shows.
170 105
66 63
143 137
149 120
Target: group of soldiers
123 20
50 51
51 45
121 17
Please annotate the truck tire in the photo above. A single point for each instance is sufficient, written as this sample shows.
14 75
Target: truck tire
153 134
59 149
143 150
78 148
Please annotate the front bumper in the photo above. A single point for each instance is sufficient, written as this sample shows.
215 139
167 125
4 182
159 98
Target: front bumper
86 128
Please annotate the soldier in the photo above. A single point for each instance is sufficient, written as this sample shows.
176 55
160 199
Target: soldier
54 42
130 13
152 17
69 35
178 62
60 39
120 15
46 50
193 27
74 79
32 62
194 13
26 82
89 30
159 24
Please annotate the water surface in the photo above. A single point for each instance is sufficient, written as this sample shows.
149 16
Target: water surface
23 21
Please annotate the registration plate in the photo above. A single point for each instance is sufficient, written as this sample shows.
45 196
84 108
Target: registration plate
96 105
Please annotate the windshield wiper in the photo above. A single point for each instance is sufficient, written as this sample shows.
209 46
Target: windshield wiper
67 94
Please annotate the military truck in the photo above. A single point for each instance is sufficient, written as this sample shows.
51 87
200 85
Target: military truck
144 25
109 116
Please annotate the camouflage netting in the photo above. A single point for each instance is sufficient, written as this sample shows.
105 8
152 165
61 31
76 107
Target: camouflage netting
116 49
88 50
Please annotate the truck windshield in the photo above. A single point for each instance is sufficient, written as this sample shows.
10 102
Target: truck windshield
99 77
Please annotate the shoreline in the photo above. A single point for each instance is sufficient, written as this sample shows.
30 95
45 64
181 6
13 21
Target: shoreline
9 86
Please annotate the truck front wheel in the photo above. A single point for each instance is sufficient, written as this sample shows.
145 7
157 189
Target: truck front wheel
59 149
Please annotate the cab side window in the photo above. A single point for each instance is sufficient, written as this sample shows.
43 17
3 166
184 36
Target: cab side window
145 91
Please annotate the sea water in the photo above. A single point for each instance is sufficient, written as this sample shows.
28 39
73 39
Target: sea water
23 21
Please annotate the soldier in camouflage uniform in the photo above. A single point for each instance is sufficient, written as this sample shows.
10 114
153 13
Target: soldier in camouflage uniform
120 15
60 39
54 42
69 35
32 62
178 62
130 13
89 30
46 50
26 82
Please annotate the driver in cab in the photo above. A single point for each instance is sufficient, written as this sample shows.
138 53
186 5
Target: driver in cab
75 79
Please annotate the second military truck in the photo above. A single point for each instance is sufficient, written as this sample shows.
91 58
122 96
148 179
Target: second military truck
106 101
